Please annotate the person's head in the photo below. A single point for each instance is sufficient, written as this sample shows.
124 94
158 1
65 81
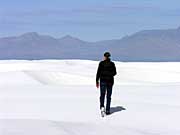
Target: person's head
107 55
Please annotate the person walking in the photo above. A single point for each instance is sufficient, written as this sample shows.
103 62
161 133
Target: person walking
105 73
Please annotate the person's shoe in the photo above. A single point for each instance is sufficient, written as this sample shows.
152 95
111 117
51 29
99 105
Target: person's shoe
108 112
103 111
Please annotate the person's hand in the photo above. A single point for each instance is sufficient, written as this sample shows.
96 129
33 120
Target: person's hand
97 84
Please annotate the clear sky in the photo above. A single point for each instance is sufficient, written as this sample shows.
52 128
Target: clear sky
89 20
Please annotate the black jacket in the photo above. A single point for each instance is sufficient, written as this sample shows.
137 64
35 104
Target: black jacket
106 71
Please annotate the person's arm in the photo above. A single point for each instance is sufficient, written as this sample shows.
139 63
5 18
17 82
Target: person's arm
98 74
114 69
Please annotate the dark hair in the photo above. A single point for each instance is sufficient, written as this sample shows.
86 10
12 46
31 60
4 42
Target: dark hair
107 54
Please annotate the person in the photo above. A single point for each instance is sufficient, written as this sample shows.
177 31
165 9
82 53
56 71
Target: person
105 73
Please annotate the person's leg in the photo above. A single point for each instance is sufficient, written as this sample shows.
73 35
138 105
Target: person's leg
109 93
102 93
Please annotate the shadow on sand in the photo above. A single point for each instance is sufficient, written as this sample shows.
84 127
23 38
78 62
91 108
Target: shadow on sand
117 109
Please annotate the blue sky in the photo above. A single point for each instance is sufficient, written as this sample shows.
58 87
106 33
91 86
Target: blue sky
89 20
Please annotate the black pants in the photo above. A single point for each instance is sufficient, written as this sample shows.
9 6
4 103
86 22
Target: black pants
105 89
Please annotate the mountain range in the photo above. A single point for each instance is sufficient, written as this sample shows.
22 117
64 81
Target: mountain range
146 45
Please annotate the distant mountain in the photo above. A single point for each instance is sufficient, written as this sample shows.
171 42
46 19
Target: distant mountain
147 45
69 40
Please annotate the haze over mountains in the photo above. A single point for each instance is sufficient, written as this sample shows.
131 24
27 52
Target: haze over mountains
147 45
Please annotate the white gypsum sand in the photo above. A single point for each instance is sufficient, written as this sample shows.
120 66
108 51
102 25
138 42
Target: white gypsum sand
59 97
